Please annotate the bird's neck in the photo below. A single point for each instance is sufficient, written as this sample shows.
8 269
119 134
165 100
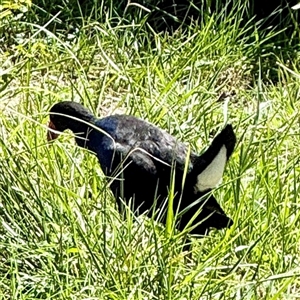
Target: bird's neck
82 131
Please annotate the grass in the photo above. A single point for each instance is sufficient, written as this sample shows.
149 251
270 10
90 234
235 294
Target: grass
61 236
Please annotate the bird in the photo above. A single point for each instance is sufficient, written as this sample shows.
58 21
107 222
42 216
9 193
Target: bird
144 165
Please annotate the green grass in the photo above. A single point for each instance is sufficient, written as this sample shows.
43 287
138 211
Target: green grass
60 234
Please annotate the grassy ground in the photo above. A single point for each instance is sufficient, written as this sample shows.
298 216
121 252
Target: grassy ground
60 235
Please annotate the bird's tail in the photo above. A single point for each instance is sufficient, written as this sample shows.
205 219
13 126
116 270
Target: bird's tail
209 167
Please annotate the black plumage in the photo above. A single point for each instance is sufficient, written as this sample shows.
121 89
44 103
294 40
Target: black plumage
139 159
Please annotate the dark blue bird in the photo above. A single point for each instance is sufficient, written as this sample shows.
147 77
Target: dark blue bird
139 159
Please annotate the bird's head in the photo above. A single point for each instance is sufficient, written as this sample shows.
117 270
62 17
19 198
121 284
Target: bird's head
68 115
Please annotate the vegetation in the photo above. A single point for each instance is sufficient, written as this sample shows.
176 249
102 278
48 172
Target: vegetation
60 234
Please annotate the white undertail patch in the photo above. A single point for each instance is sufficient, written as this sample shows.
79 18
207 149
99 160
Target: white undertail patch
212 174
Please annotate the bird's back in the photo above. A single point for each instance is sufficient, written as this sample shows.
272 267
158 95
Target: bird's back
127 133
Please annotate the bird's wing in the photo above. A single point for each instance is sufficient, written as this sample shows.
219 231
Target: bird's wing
135 157
155 156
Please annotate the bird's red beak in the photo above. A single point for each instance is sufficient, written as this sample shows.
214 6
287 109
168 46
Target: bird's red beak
50 134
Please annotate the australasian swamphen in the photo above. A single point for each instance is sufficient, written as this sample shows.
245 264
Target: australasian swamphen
141 159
